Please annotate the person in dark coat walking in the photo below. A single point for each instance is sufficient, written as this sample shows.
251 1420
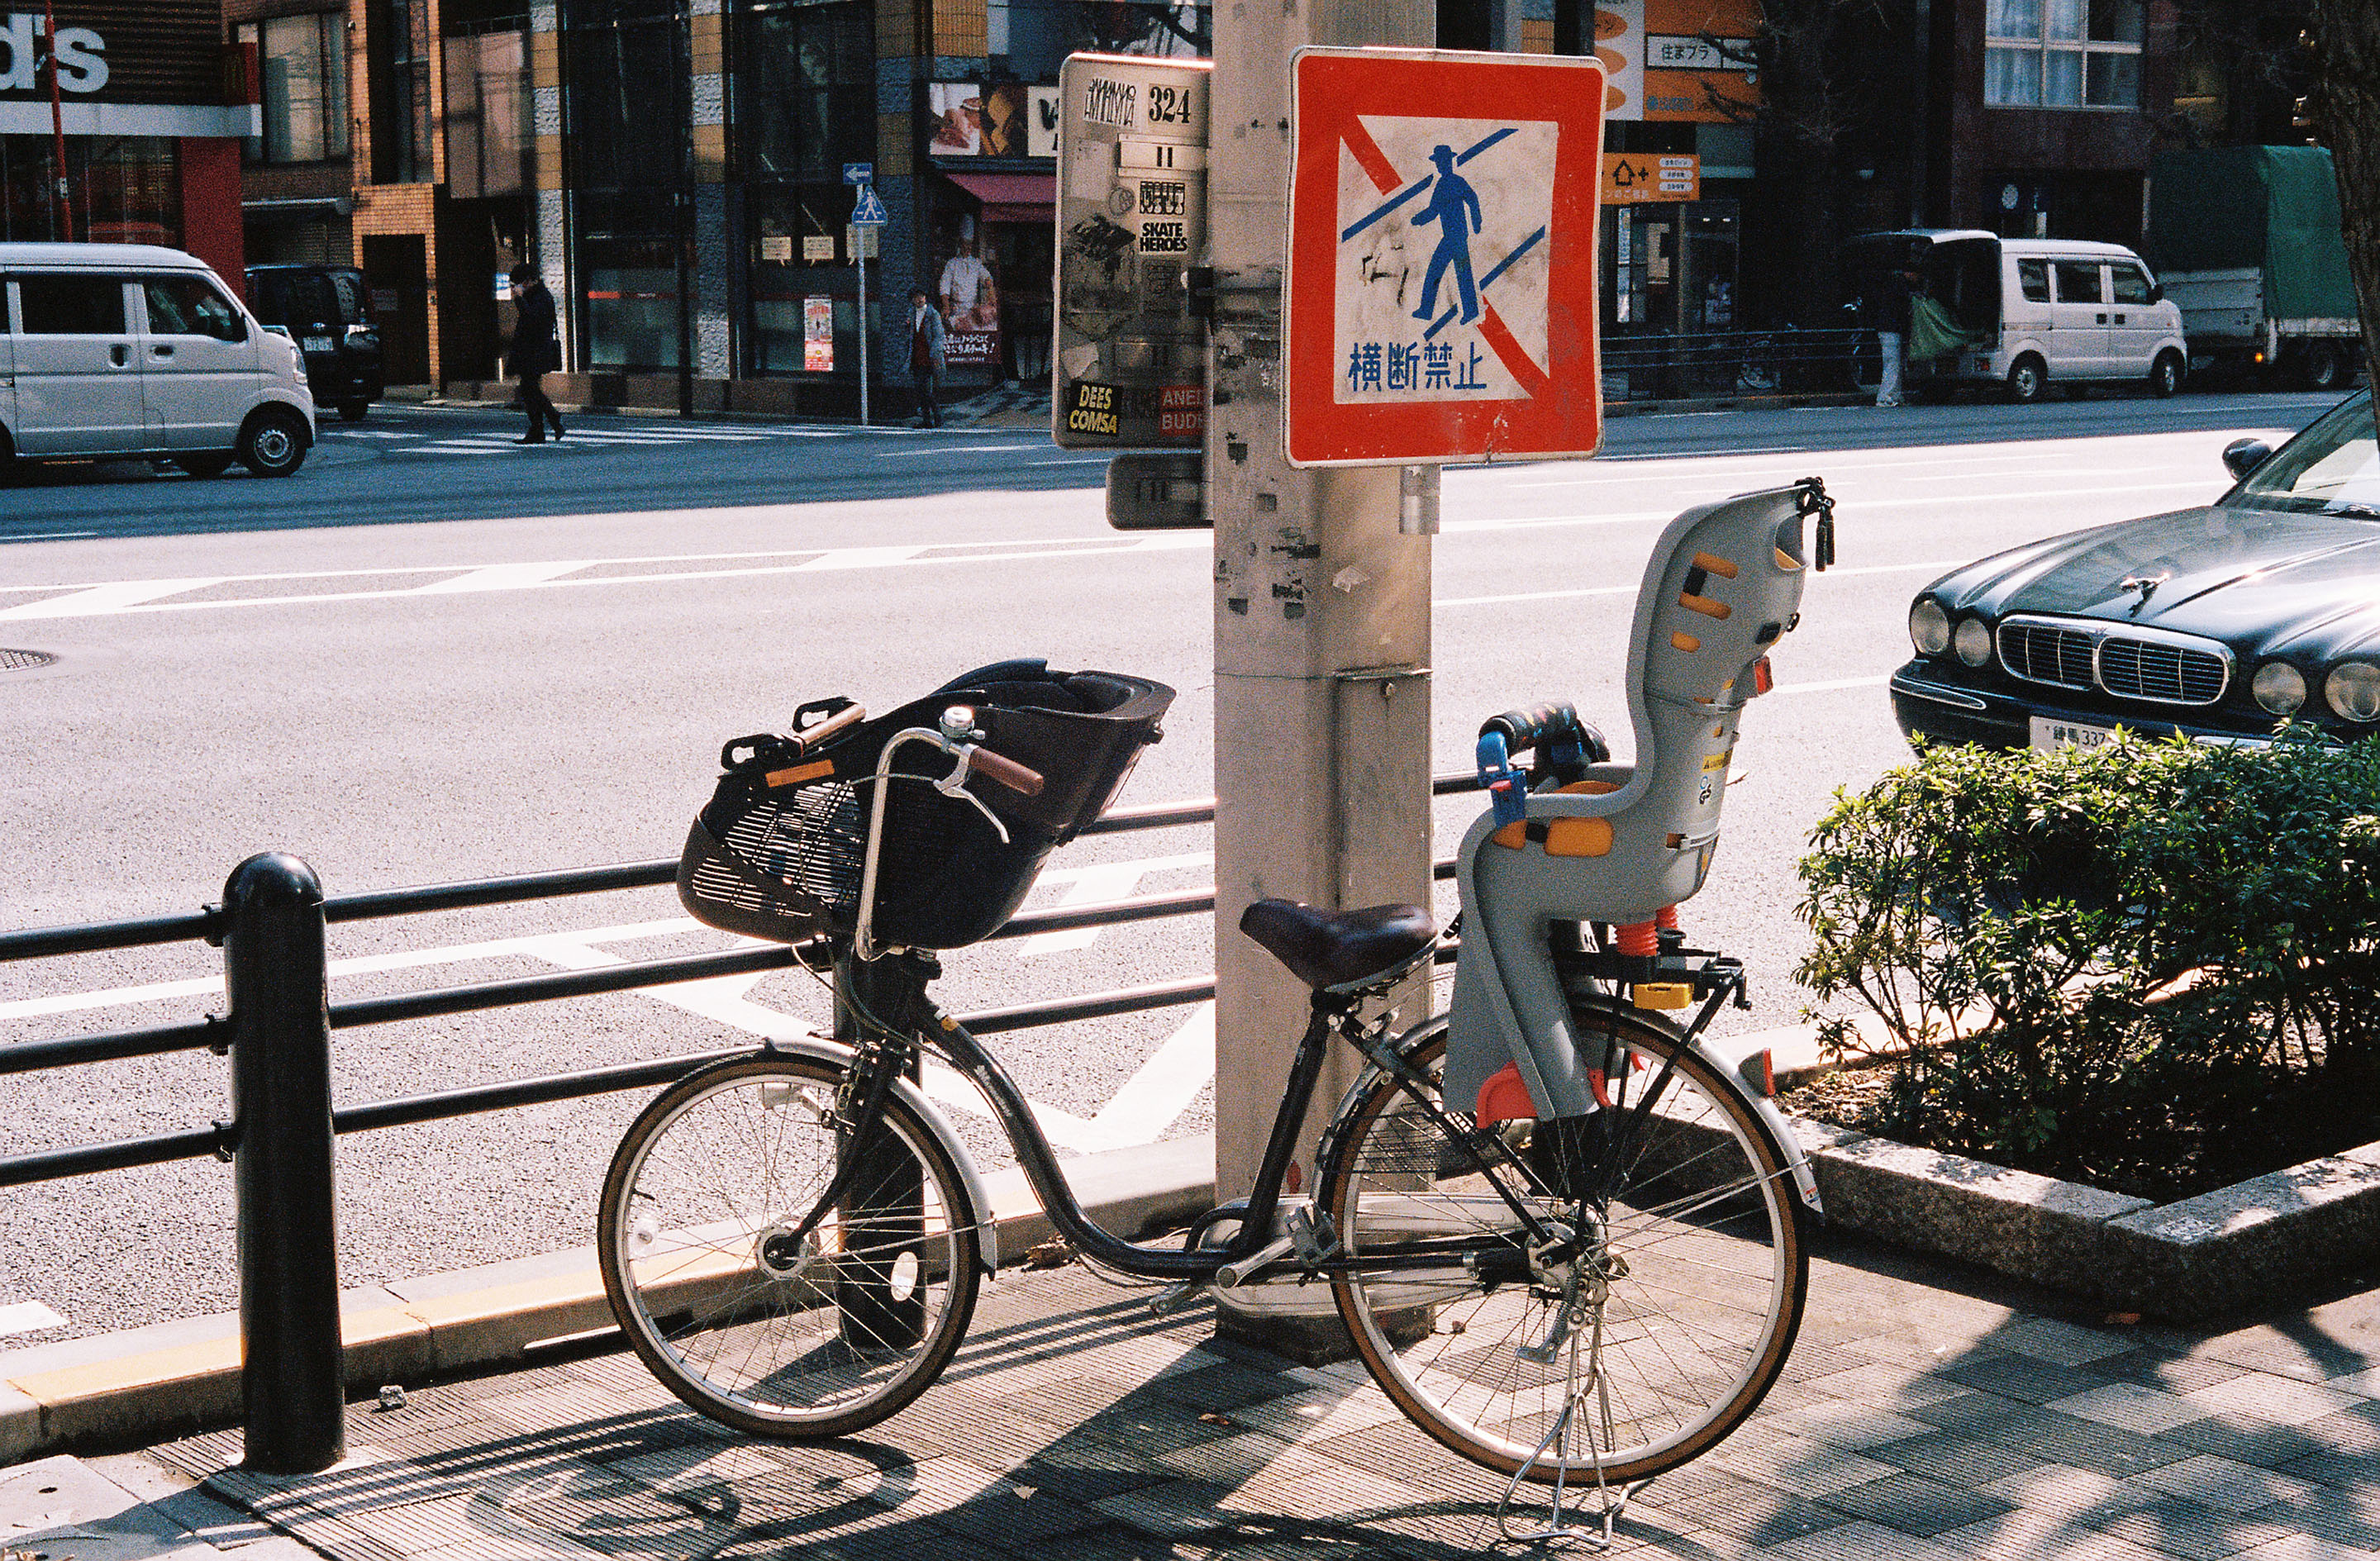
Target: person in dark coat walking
927 339
536 352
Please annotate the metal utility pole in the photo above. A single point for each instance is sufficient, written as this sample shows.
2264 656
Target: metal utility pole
1322 604
59 126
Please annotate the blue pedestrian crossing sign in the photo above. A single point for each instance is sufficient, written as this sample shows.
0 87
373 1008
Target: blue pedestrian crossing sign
869 212
1442 286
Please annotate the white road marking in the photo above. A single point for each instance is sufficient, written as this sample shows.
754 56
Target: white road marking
502 578
950 450
1113 880
27 1316
94 601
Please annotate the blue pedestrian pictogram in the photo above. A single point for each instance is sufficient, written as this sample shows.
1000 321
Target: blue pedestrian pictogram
1454 207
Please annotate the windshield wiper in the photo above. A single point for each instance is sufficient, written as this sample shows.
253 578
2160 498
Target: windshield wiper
2352 507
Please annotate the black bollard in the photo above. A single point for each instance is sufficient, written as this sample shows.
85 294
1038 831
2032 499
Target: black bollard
291 1381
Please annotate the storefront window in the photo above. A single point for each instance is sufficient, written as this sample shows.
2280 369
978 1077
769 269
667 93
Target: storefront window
799 253
400 92
2063 54
304 64
124 190
628 263
488 129
805 88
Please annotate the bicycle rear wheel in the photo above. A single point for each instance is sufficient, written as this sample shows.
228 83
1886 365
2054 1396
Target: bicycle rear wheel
1694 1236
822 1336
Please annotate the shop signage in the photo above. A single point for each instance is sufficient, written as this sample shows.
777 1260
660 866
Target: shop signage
777 248
1130 359
1678 60
1669 51
818 335
1041 122
817 247
860 242
81 68
1630 177
1442 286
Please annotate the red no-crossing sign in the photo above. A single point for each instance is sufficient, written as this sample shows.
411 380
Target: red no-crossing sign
1442 287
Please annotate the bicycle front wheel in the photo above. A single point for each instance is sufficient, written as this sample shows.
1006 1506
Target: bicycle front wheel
1682 1270
775 1334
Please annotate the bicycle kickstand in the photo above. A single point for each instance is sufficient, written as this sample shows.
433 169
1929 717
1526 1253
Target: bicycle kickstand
1596 1533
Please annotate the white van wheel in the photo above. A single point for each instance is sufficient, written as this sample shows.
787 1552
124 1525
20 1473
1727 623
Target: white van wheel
273 442
2165 374
2027 378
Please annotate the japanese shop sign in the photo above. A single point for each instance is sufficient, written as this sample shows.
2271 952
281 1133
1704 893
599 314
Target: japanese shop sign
1440 295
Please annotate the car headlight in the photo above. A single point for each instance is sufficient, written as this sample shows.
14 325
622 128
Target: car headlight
2279 689
2353 690
1929 627
1973 642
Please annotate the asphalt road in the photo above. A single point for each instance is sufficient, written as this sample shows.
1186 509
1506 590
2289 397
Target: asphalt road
433 656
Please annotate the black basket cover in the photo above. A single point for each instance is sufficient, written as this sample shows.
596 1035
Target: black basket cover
778 851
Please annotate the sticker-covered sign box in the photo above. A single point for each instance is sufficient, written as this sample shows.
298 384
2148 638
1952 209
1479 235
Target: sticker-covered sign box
1129 371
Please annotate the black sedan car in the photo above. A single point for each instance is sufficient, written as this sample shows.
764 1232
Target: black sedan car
2218 623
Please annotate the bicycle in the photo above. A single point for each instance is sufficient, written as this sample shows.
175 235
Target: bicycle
1600 1289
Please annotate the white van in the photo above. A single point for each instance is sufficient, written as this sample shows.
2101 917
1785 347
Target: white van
2033 312
132 350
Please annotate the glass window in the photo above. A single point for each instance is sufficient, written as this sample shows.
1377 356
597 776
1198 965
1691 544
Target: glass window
2131 283
2078 282
71 305
2062 54
2032 278
805 88
187 306
489 137
2012 76
303 61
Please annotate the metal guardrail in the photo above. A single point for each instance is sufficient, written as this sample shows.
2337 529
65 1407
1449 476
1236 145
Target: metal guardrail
270 926
1664 365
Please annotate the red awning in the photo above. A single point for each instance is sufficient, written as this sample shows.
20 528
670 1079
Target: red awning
1012 198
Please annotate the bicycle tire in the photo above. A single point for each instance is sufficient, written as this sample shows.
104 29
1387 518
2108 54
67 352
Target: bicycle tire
818 1341
1698 1323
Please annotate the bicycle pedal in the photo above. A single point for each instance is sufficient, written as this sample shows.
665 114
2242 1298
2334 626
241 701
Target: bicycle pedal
1313 1243
1175 1298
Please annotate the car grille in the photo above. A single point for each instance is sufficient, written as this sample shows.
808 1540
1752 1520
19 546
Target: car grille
2164 668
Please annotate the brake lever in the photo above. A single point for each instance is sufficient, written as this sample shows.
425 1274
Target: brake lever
958 735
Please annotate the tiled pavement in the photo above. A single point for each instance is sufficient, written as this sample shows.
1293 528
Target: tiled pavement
1927 1414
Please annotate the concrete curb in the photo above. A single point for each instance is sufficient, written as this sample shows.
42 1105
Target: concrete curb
147 1385
2222 1257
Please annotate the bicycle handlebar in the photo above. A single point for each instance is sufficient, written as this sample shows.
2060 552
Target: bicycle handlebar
1007 772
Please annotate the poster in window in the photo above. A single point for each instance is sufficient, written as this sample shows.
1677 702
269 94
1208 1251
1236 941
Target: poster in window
1004 120
1041 122
970 300
818 335
957 110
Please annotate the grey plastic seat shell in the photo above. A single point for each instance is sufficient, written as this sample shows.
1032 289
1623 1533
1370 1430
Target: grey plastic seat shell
1644 842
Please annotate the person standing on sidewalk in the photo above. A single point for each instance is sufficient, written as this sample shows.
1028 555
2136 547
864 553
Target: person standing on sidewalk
1886 312
536 352
925 340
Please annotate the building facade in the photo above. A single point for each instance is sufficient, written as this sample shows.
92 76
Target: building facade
149 111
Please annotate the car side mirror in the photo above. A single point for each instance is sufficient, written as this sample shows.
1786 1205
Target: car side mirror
2157 292
2244 455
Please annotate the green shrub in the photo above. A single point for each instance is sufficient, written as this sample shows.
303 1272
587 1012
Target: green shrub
2149 965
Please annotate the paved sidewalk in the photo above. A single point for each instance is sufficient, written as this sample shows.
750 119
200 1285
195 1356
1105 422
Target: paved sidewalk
1928 1412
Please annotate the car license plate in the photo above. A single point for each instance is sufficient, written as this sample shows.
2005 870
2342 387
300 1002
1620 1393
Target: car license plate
2051 734
318 344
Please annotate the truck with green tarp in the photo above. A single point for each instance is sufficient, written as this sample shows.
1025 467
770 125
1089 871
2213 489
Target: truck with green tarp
2246 239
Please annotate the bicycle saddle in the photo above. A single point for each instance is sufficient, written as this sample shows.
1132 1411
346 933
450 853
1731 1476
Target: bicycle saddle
1339 948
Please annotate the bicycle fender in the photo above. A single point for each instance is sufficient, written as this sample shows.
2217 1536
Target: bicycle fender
1728 1053
834 1053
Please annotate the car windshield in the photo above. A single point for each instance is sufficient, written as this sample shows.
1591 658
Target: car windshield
2332 469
